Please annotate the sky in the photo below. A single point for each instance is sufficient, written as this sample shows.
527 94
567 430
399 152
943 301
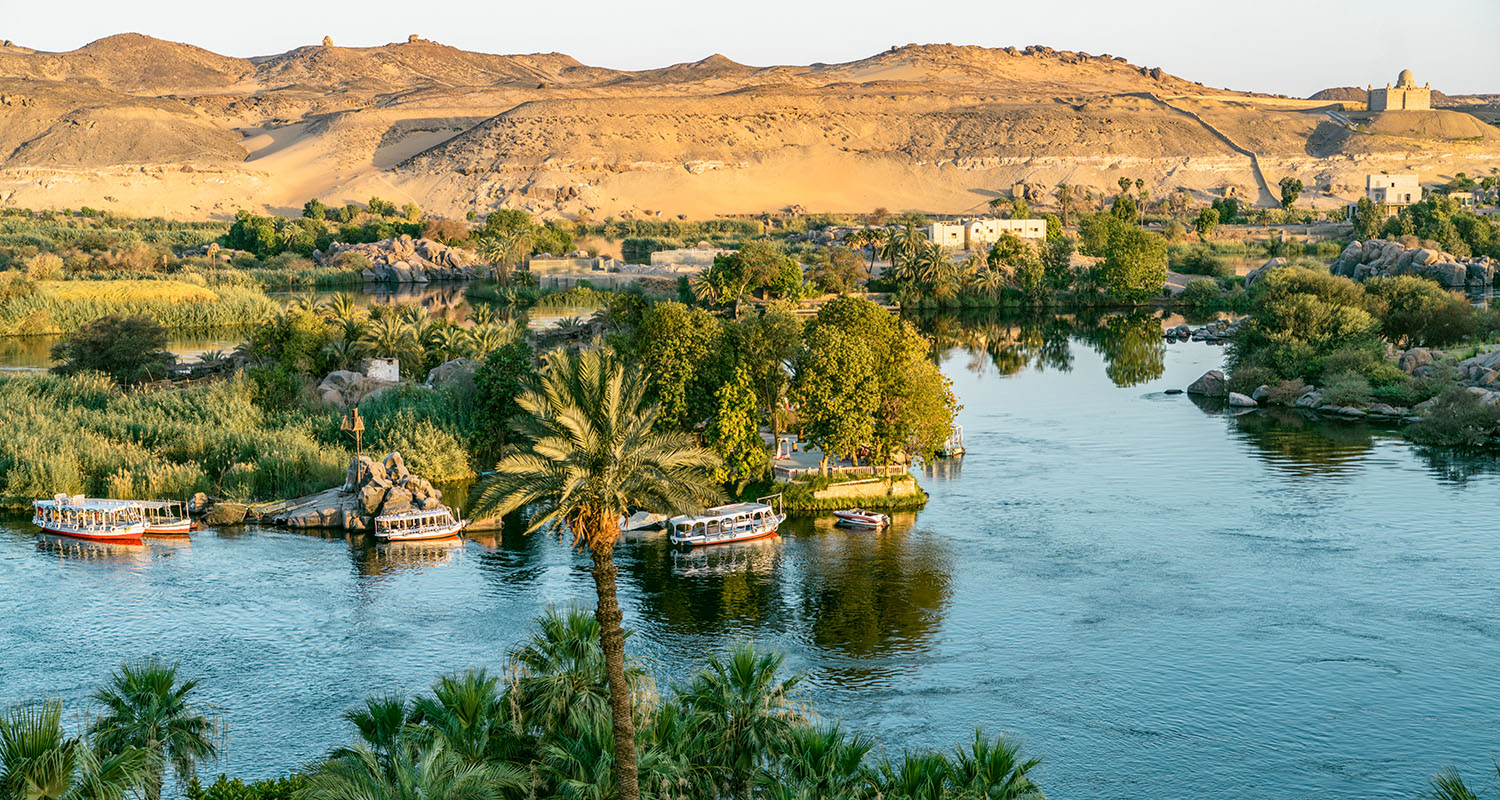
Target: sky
1293 47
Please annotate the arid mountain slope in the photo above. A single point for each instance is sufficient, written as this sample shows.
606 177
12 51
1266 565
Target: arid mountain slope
140 125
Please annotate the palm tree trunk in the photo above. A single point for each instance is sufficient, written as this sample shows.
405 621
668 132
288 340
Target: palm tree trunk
612 637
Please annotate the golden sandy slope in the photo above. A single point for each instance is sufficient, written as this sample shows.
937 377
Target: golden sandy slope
140 125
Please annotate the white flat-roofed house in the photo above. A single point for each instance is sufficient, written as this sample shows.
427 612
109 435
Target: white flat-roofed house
977 234
1395 191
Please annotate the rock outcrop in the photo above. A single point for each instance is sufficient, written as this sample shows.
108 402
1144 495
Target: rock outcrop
456 374
1380 258
343 388
1212 384
371 488
406 260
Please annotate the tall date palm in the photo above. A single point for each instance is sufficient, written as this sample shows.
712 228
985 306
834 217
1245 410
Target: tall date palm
587 450
147 708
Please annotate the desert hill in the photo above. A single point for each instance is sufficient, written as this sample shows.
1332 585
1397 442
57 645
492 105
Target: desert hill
141 125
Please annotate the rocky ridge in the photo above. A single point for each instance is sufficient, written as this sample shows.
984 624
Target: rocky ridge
1380 258
403 259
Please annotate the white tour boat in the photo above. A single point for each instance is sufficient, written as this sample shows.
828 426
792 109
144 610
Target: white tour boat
862 518
736 522
94 519
436 523
166 517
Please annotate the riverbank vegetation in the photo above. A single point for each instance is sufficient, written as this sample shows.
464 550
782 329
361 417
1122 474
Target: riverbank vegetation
1307 328
538 727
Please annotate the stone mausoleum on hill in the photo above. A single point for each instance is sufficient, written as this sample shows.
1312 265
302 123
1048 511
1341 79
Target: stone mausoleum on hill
1404 96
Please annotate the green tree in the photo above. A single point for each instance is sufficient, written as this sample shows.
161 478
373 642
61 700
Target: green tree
587 450
734 432
127 349
1291 189
994 770
836 392
1228 208
1299 317
146 708
1134 266
38 761
254 234
1417 311
1064 202
1205 222
1368 218
678 347
498 382
314 209
1057 262
415 771
1125 209
766 346
819 763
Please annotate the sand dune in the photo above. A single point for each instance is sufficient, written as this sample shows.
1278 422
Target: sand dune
140 125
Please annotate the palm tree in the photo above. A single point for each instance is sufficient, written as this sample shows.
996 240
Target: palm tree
147 708
344 308
503 249
344 352
743 711
481 340
820 763
382 725
1064 201
581 764
917 776
483 314
469 715
448 341
416 771
1449 785
989 770
388 337
39 762
564 679
587 450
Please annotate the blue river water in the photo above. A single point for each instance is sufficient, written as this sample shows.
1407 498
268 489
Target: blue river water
1158 599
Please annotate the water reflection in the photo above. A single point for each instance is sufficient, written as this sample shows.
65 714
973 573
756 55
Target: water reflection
1131 343
705 590
68 548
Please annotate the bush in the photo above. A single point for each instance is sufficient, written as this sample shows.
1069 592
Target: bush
1285 393
1200 292
128 349
44 267
1457 419
226 788
1346 389
1201 261
1246 380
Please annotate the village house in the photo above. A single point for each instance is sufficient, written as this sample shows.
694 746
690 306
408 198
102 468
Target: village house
976 234
1394 191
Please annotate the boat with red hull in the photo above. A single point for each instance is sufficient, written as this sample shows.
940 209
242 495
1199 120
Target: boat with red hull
736 522
90 518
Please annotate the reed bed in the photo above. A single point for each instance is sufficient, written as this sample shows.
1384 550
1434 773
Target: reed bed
55 307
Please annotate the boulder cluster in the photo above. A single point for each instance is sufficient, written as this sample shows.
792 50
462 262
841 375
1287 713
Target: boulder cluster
1379 258
406 260
343 388
371 488
1213 333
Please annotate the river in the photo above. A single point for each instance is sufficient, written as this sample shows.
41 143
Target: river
1159 600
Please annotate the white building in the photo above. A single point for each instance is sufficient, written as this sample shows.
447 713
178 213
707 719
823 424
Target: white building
1395 191
976 234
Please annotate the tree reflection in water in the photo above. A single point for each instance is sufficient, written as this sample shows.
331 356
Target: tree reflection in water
876 598
719 589
1131 343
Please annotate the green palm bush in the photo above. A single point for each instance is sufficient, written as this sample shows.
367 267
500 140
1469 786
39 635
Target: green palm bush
38 761
146 708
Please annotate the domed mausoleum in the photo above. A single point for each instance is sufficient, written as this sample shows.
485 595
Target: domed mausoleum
1404 96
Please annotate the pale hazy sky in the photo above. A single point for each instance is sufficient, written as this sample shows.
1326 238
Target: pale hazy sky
1287 46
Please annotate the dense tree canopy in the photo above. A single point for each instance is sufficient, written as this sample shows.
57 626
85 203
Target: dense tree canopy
128 349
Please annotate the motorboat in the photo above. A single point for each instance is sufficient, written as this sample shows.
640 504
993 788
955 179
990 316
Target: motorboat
409 526
954 446
862 518
166 517
735 522
641 521
98 520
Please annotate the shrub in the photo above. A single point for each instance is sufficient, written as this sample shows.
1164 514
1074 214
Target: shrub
1285 393
1346 389
1201 261
226 788
1200 292
128 349
44 267
1457 419
1246 380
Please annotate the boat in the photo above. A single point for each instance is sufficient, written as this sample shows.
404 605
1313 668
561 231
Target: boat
735 522
94 519
409 526
862 518
954 447
641 521
166 517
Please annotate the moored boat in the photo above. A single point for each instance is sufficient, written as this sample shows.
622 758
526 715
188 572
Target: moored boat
166 517
862 518
410 526
94 519
735 522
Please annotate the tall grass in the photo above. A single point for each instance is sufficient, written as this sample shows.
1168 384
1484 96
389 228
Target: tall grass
54 307
82 434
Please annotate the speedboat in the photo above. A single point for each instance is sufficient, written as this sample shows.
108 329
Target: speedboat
410 526
736 522
862 518
166 517
90 518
